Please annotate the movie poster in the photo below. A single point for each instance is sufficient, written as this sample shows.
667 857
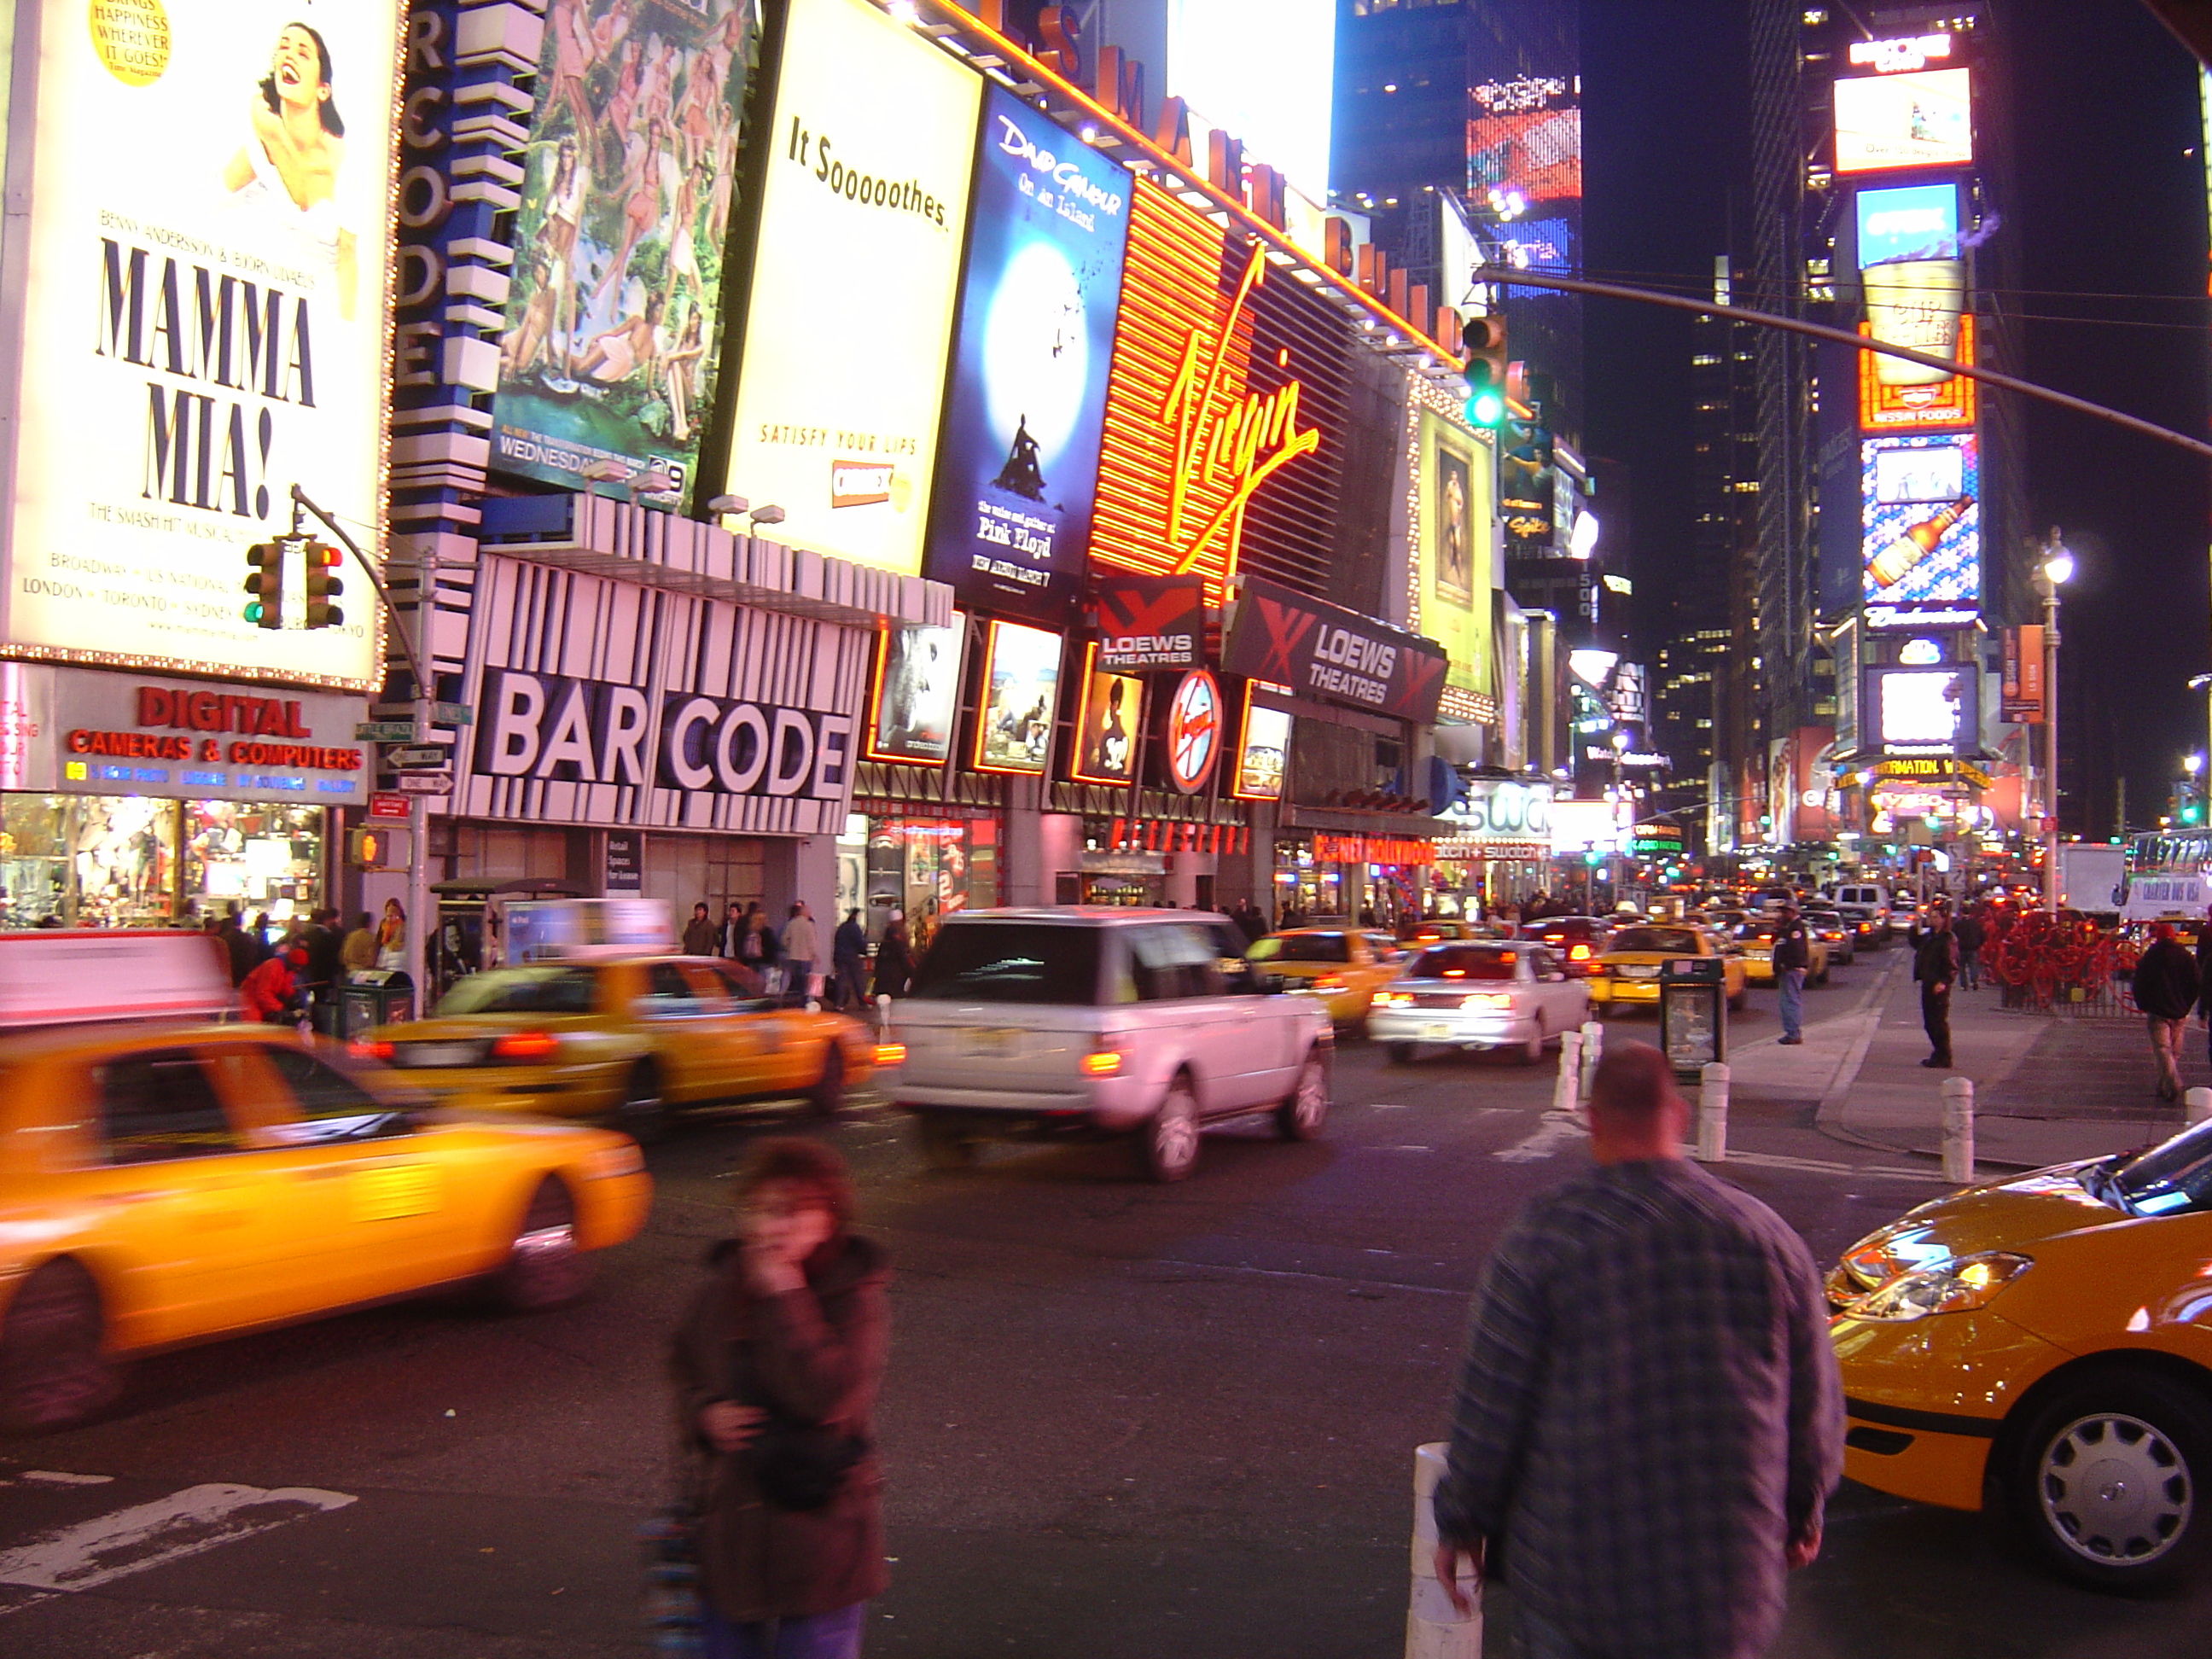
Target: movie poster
917 694
1106 737
1021 681
1456 579
1018 461
205 324
607 370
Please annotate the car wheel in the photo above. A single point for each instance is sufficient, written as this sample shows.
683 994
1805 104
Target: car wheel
643 1112
1532 1051
944 1147
2104 1480
828 1093
54 1369
1302 1114
544 1268
1399 1053
1738 1001
1167 1145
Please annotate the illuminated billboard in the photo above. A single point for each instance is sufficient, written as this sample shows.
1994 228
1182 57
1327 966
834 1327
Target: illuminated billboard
1018 461
917 694
607 365
1113 713
1921 529
1945 405
204 319
1263 750
1021 688
1908 221
1922 119
1526 144
1925 711
1455 577
840 381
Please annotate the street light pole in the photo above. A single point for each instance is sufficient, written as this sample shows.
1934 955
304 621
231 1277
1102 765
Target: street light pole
2058 570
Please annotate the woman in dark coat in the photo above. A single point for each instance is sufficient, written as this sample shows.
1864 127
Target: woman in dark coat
894 962
792 1325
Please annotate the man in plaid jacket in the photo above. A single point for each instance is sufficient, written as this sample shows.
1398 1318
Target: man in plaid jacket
1649 1419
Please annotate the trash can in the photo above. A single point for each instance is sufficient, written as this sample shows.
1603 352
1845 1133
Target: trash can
1694 1012
379 997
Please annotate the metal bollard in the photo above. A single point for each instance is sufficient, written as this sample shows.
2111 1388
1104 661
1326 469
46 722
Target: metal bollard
1593 1051
1434 1628
2196 1104
1958 1130
1712 1114
1565 1095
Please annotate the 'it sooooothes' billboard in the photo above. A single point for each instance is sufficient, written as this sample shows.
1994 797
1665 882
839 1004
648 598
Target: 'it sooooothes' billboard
607 363
1011 519
840 385
203 323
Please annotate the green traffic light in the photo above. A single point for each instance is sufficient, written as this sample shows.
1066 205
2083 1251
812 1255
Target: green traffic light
253 611
1485 409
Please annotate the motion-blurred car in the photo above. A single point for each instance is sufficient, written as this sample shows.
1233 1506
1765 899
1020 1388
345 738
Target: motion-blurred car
1077 1020
1579 941
1628 974
164 1183
1829 926
631 1040
1436 928
1755 940
1476 995
1343 967
2044 1343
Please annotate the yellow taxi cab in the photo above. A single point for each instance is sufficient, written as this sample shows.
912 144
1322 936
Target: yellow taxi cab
1755 942
628 1038
2042 1346
166 1180
1628 970
1438 929
1345 967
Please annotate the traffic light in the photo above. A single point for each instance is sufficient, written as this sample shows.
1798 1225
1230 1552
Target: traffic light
375 846
266 561
323 586
1485 339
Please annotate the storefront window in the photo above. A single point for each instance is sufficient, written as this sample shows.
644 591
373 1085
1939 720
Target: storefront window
264 857
928 869
87 861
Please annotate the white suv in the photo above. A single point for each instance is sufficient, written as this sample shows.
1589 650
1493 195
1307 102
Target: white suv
1023 1022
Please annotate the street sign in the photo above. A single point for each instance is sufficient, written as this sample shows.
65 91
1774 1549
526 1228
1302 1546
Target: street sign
427 783
381 805
428 758
384 731
450 714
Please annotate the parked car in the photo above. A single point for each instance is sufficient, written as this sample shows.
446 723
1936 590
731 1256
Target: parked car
1086 1021
1477 994
1628 974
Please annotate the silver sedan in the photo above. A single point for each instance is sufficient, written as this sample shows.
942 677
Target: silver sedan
1466 993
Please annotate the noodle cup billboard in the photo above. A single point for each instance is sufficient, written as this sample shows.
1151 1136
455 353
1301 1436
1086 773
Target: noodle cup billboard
203 324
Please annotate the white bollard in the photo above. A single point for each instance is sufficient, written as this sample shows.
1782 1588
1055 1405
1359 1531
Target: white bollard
1712 1114
1565 1095
2196 1104
1434 1628
1593 1051
1958 1130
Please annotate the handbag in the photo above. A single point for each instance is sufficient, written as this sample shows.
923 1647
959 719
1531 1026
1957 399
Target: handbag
798 1469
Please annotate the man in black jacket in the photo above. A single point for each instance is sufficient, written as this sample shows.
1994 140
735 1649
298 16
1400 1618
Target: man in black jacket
1935 966
2166 988
1793 956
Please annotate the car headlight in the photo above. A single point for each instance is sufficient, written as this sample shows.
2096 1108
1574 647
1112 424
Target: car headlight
1958 1285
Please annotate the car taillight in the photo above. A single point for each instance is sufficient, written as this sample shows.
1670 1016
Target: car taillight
526 1045
1579 953
1104 1063
1395 999
363 1048
1329 982
1488 1000
891 1054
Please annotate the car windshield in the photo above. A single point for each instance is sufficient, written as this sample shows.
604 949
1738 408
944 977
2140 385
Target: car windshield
1012 961
521 991
1566 928
1302 947
1464 962
1679 940
2173 1177
1756 930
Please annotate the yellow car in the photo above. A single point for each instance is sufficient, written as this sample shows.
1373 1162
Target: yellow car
1627 973
2045 1342
1345 967
627 1039
1754 941
163 1184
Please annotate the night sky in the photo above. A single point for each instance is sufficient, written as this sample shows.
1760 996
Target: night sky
2111 202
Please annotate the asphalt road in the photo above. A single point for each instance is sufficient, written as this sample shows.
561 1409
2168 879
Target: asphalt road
1121 1420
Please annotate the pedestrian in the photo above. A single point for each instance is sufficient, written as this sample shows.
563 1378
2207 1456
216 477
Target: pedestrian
392 937
2204 975
776 1366
699 931
1936 967
1970 936
2166 987
730 941
271 993
802 949
893 961
1793 956
1649 1418
849 953
358 954
324 944
238 946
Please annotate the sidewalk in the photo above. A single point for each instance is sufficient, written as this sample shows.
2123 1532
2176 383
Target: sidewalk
2047 1088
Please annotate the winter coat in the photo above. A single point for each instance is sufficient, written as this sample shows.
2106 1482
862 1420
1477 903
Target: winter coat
817 1354
851 941
267 990
700 936
1968 933
2166 983
358 953
1936 957
1793 949
2204 973
894 966
801 941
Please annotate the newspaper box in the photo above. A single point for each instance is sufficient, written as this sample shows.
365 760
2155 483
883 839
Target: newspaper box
379 997
1694 1012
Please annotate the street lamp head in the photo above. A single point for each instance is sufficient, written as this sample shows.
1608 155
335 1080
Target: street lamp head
2200 681
2192 764
766 515
2059 567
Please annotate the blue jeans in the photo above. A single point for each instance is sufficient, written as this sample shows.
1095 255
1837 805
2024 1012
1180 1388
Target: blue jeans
1792 983
825 1635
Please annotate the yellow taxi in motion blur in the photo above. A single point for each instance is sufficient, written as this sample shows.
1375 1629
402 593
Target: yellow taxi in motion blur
1754 939
627 1039
164 1182
2045 1342
1628 971
1345 967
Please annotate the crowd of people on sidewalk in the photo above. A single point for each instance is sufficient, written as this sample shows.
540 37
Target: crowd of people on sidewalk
291 972
789 961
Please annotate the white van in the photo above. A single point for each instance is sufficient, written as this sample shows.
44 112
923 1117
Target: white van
1023 1022
1866 906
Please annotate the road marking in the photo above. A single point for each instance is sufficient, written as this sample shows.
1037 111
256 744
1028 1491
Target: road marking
55 1477
1831 1166
184 1523
1555 1130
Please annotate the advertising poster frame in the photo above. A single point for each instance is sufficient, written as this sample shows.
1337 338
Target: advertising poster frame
1001 725
1111 703
1260 720
925 687
1858 146
1456 571
1926 536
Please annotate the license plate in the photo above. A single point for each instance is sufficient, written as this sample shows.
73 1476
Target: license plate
1436 1033
390 1191
985 1041
1637 970
438 1054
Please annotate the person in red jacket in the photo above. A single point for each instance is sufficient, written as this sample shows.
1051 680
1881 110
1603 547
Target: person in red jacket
270 990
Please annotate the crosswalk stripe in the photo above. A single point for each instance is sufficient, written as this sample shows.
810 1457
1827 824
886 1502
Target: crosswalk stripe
184 1523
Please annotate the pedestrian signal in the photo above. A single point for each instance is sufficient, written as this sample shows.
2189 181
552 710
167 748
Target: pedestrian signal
323 586
377 847
1485 339
265 563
